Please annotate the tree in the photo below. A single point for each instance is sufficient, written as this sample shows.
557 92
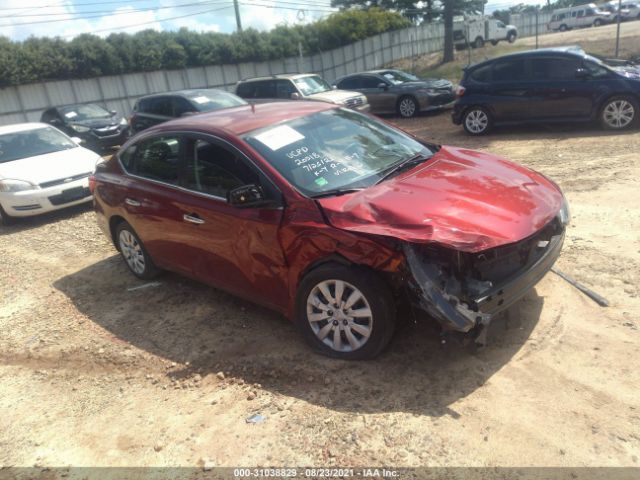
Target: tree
451 9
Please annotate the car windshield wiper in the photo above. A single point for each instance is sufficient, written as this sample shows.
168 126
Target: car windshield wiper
335 192
402 165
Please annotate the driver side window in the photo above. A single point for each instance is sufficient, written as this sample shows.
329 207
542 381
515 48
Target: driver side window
215 170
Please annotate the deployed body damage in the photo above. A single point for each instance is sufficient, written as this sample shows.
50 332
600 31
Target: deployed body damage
464 291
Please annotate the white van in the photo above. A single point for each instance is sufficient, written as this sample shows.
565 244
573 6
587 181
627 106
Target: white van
587 15
633 9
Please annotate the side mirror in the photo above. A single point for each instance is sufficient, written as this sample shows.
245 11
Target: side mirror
383 86
295 96
77 140
245 196
582 73
112 112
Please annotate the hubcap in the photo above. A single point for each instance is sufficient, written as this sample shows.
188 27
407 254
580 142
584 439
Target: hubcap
476 121
339 315
407 107
619 113
131 251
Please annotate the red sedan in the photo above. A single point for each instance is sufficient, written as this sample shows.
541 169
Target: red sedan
331 217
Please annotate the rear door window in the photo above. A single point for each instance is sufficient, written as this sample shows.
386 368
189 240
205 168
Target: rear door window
350 83
509 70
550 68
156 158
246 90
265 89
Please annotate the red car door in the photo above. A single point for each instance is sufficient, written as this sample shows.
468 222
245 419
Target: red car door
234 248
149 195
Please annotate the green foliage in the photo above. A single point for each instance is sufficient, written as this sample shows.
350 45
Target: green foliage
39 59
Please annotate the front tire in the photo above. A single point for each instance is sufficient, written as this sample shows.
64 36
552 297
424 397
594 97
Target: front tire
563 28
619 113
597 22
5 218
511 37
133 252
345 312
477 121
494 42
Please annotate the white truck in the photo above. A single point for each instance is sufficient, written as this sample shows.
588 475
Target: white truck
587 15
476 30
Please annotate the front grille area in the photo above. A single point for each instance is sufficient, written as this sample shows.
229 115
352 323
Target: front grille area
354 102
61 181
69 196
107 131
23 208
501 262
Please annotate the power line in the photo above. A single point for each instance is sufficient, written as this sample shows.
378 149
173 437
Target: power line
127 12
288 8
158 20
114 12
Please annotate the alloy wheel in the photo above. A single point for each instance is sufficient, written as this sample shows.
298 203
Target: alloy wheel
619 114
339 315
132 251
476 121
407 107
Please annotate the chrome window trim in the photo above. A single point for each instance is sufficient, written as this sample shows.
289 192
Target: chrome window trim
182 134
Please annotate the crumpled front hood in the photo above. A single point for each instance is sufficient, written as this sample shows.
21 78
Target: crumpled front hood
434 83
460 198
98 122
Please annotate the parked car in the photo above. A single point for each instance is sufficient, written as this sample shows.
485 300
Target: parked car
477 30
544 86
330 217
634 10
395 91
161 107
587 15
41 169
295 86
98 127
612 8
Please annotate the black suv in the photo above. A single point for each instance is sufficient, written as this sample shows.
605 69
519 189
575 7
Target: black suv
95 125
547 85
158 108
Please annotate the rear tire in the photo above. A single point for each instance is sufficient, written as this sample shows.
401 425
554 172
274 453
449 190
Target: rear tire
407 107
133 252
5 218
563 28
477 121
494 42
619 113
597 22
324 302
478 43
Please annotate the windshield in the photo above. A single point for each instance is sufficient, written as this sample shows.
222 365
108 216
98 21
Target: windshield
31 143
311 85
335 149
207 100
76 113
396 76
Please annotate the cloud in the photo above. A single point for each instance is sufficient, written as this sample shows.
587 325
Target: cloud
130 19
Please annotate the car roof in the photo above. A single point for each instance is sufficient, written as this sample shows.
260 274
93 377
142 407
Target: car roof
189 93
571 50
22 127
285 76
245 118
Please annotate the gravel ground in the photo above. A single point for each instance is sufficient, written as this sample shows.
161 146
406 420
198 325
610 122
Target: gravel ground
92 373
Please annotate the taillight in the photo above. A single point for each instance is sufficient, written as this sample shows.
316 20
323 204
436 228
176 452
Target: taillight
460 91
92 183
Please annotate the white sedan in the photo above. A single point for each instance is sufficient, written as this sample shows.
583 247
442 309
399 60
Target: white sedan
41 169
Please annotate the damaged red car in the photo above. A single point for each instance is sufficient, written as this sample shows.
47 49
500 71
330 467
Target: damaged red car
332 218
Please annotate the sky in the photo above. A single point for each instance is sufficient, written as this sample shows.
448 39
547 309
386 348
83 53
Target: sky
20 19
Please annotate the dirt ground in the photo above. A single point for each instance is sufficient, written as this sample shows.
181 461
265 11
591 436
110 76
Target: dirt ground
94 374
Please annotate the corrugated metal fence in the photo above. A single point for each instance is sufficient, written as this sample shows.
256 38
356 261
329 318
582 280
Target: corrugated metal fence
119 92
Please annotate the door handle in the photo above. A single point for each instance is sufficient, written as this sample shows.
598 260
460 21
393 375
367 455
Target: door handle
193 219
132 202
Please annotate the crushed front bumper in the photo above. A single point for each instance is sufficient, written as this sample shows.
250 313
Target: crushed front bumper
439 294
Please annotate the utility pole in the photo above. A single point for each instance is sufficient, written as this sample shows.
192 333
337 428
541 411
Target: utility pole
237 9
618 29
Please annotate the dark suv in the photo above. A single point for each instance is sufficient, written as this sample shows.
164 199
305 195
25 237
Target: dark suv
158 108
547 85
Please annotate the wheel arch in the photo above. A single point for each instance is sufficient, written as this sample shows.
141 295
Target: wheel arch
114 221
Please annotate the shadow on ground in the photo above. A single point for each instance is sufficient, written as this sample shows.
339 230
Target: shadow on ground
184 321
